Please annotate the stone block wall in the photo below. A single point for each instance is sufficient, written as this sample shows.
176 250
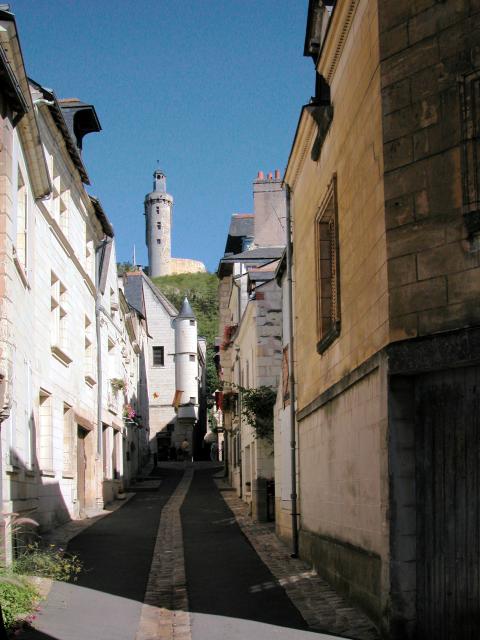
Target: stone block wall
430 64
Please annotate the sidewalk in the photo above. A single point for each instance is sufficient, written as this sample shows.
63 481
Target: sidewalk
322 607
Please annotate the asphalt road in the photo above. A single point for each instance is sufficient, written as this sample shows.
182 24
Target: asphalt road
232 594
105 603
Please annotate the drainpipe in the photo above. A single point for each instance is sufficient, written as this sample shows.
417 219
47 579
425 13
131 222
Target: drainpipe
291 372
103 252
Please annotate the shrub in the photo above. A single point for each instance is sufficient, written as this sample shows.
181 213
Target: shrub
49 562
17 599
257 408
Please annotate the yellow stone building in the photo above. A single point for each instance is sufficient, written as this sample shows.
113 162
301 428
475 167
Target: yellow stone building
383 178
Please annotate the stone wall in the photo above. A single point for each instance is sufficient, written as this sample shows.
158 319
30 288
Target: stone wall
430 62
343 488
185 265
352 151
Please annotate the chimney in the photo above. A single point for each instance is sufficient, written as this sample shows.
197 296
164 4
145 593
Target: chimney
277 174
260 176
270 175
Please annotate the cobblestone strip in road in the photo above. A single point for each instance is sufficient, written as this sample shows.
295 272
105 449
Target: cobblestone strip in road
165 611
322 608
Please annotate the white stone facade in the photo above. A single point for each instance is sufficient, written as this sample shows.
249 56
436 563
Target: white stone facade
57 461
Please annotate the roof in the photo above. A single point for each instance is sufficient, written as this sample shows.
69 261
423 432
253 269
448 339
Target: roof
255 255
80 117
186 311
241 226
14 84
133 283
59 119
102 217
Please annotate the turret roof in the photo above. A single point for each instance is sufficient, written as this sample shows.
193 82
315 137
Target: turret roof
186 311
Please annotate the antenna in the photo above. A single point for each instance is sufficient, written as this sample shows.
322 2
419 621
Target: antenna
134 257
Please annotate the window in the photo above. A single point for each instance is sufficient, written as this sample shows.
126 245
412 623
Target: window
89 252
88 355
158 241
22 222
159 225
158 356
157 209
193 400
192 358
58 307
328 277
60 199
192 322
45 452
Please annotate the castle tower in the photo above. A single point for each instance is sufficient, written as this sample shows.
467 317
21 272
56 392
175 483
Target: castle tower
158 213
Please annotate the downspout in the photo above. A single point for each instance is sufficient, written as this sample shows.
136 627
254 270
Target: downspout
291 379
103 252
98 304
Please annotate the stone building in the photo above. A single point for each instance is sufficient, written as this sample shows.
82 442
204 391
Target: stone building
383 177
174 361
158 231
63 337
250 326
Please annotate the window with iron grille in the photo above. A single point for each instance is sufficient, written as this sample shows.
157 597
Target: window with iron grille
328 276
158 357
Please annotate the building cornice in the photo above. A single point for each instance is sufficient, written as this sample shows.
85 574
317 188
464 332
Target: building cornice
302 144
338 30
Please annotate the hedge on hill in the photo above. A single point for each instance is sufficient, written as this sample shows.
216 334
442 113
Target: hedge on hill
201 291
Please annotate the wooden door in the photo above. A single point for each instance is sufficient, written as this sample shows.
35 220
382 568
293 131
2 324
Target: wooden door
448 498
81 468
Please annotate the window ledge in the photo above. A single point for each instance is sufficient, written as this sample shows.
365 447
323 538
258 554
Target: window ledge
21 271
48 473
11 469
60 355
68 475
90 380
330 337
30 473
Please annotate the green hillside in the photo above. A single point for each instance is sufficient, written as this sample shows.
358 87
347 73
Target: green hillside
201 291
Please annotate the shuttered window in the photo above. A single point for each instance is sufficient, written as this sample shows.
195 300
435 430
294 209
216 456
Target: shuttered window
328 276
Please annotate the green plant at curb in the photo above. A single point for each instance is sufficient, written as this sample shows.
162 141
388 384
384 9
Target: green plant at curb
257 409
50 562
17 598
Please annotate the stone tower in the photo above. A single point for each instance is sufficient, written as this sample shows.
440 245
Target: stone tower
158 212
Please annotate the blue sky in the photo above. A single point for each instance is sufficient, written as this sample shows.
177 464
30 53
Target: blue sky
212 89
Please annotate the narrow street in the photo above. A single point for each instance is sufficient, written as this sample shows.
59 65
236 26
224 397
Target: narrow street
174 563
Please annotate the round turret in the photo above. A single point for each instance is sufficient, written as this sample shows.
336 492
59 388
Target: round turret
186 358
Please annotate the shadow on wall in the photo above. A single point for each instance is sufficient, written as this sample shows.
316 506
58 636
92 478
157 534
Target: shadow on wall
29 491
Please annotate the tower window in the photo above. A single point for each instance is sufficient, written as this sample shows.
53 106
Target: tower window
192 358
192 322
159 225
158 356
158 241
157 209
